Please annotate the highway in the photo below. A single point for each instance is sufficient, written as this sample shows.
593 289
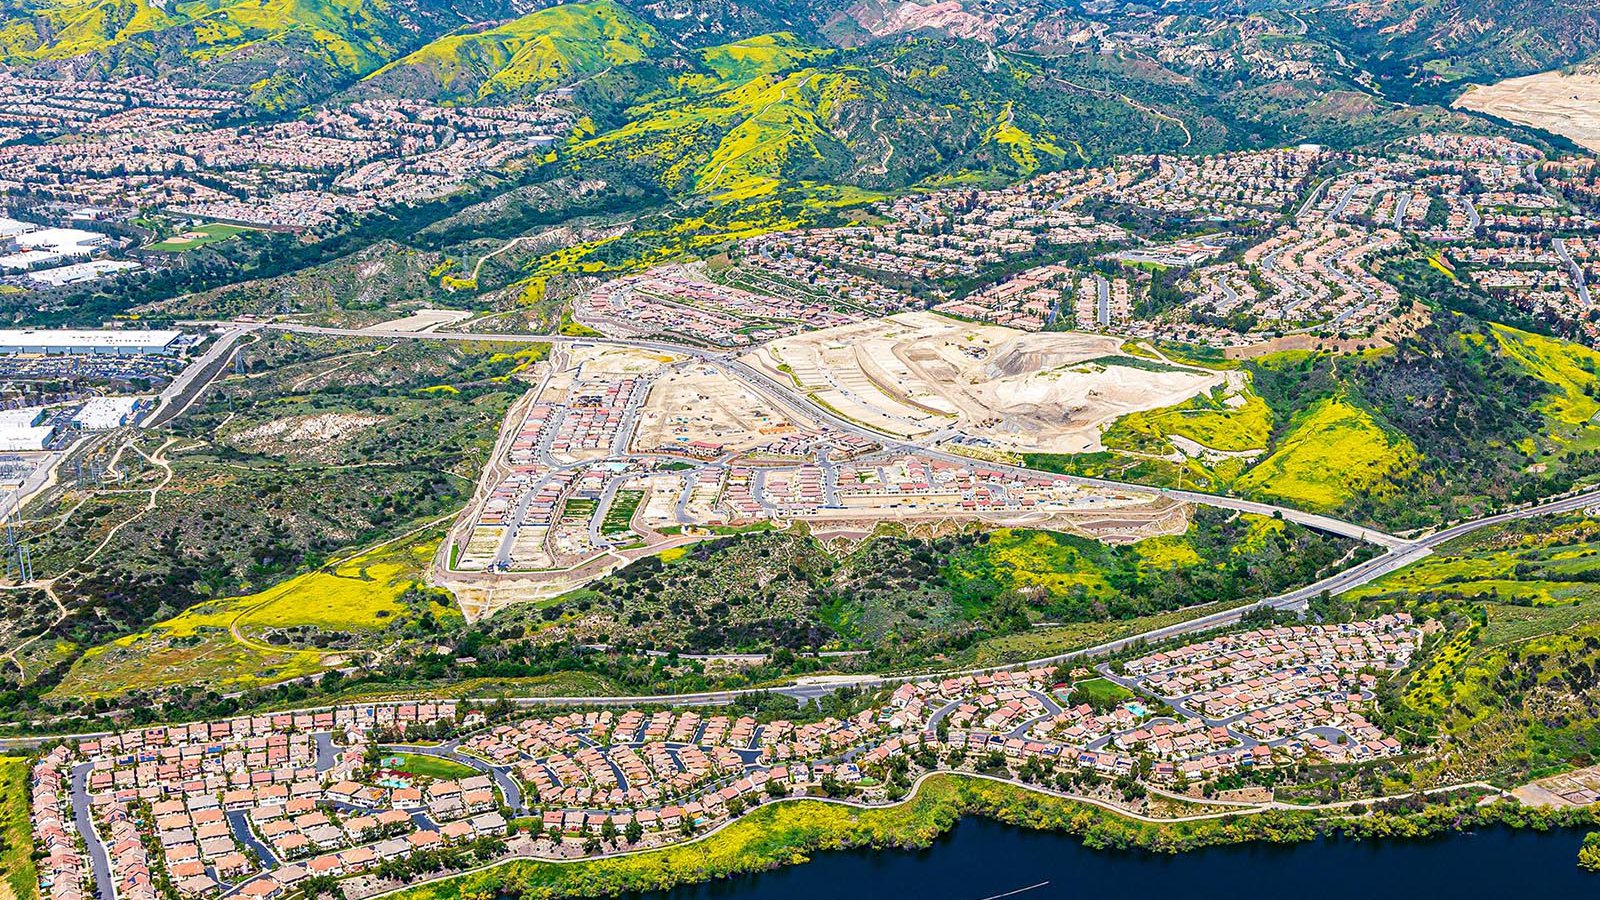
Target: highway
1398 552
787 396
1348 579
191 382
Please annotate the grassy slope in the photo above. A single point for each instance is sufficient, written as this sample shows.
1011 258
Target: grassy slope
1331 452
361 596
1569 369
764 54
540 50
736 142
16 859
354 36
1557 567
1027 152
1511 679
1038 643
913 600
1230 429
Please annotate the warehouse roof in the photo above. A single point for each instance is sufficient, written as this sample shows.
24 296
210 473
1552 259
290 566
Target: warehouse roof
63 337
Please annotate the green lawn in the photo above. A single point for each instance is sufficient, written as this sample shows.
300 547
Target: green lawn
620 514
16 842
1102 692
198 236
420 765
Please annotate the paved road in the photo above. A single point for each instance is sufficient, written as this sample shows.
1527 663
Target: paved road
327 753
239 821
1574 270
1343 201
192 381
786 395
99 862
508 785
1311 198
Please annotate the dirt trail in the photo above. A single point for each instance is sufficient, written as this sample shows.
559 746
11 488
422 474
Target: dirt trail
48 585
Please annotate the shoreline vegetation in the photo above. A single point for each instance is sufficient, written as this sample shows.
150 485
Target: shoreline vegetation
789 832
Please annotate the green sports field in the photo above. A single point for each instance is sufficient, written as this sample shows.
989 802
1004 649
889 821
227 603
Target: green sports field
198 236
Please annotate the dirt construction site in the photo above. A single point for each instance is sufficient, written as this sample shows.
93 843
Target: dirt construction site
1566 104
618 452
914 375
700 405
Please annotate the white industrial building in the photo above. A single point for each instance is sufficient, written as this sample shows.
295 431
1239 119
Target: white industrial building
20 429
52 246
77 273
11 228
106 413
129 342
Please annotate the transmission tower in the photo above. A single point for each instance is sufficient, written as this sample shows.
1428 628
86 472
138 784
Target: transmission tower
19 563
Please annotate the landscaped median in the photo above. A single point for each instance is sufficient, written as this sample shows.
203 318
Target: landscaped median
787 832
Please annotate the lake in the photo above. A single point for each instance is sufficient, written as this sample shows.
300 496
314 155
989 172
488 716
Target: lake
982 859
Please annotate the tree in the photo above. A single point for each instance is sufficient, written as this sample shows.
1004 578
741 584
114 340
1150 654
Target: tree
633 832
1589 853
608 831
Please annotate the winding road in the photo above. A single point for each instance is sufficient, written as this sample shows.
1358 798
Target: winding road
1398 551
786 395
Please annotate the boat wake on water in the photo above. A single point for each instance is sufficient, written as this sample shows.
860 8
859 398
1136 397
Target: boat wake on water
1022 890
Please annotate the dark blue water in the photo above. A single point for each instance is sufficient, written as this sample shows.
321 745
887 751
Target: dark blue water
981 858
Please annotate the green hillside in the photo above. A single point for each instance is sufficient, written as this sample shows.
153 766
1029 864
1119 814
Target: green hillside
66 29
1457 420
764 54
741 140
1331 453
1429 46
544 49
286 52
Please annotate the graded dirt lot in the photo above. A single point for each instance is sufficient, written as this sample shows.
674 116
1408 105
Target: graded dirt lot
703 403
917 373
1568 105
425 319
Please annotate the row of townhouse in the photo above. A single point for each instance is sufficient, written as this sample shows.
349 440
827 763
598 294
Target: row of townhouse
61 866
359 858
360 717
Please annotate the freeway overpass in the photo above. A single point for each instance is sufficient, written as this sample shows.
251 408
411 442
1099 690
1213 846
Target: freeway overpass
1297 599
787 395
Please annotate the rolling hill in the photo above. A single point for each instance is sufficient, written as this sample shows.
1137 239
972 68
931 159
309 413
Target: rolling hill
285 52
1429 45
541 50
